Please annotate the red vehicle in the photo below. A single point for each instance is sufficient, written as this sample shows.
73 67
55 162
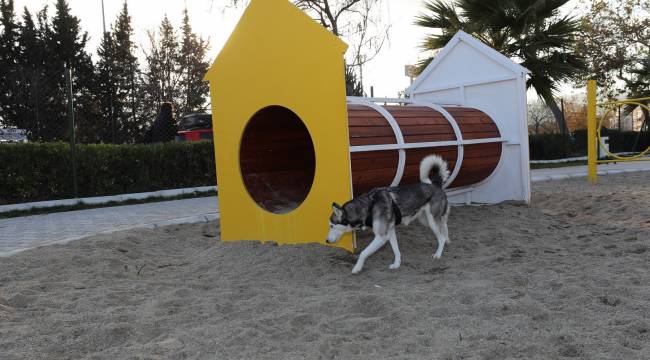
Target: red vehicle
195 127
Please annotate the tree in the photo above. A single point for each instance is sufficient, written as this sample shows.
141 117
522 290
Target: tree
358 22
32 101
65 47
160 78
531 32
32 59
638 86
9 35
115 74
638 82
105 88
615 40
353 86
540 119
126 73
175 66
193 65
613 35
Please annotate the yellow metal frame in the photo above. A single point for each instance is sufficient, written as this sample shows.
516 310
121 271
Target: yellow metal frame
595 124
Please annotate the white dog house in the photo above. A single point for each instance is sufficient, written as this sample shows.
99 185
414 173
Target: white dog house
469 74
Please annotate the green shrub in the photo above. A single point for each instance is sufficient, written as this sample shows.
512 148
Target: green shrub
620 141
43 171
552 146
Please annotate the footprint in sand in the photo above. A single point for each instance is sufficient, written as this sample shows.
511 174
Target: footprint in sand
567 346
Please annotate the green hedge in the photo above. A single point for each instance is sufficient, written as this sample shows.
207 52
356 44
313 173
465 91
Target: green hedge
554 146
551 146
43 171
619 141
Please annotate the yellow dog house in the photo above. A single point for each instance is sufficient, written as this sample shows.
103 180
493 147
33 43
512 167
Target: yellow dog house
280 127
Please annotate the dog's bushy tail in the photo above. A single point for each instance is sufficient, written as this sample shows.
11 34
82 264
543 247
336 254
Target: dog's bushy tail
436 165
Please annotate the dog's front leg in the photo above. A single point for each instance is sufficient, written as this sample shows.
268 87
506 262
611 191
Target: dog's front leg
392 237
376 243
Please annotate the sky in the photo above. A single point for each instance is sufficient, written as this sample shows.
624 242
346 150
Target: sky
212 20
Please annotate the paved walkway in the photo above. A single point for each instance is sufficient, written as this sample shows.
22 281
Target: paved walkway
581 171
23 233
19 234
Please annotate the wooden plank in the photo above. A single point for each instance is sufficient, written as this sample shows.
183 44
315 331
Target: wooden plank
279 147
480 135
415 114
406 108
444 151
359 141
453 110
422 120
474 173
366 113
477 127
371 131
368 121
383 175
270 185
429 138
478 155
428 129
354 107
473 120
488 149
374 154
372 164
273 163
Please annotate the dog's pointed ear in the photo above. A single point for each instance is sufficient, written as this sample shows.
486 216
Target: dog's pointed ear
337 209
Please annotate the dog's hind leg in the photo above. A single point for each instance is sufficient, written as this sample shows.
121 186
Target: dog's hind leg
422 218
445 229
392 237
376 243
437 232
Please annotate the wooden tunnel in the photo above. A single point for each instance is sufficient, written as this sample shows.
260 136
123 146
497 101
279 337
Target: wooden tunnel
277 156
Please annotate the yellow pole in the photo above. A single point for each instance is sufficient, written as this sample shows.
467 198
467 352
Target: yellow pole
592 171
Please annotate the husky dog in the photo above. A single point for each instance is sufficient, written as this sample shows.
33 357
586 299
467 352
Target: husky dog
383 208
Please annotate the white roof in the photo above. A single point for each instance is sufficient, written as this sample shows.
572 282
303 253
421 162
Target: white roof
476 44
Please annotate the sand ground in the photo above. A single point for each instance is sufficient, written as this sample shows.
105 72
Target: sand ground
567 277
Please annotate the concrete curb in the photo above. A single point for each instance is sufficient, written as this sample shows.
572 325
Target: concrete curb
105 199
203 218
581 174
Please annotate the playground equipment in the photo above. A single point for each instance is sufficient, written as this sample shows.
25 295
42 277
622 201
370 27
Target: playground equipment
595 140
288 142
387 143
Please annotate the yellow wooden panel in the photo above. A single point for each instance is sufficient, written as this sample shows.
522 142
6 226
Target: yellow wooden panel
277 55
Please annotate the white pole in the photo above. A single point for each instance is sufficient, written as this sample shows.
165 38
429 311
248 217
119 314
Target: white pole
103 17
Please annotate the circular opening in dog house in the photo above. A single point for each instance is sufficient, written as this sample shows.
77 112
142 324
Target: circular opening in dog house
277 159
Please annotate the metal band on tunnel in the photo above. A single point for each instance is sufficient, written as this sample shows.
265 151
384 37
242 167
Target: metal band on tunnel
457 132
396 130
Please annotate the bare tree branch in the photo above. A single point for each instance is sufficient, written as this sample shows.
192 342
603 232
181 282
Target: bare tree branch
358 22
